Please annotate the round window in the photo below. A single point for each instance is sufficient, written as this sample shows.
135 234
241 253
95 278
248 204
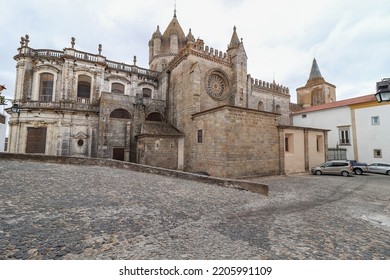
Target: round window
217 86
80 142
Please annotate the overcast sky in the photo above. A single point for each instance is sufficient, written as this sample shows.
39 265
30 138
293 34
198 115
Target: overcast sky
350 39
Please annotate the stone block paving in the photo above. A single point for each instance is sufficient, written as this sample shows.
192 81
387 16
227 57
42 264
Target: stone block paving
54 211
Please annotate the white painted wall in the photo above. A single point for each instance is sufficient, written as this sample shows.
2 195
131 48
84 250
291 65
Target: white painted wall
2 137
369 136
329 119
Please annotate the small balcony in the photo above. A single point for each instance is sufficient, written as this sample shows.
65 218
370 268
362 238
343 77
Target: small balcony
46 98
80 105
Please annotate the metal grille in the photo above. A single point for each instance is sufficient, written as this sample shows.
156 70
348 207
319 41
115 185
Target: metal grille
337 153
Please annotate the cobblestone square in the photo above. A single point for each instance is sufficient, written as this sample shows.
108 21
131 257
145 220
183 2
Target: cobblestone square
54 211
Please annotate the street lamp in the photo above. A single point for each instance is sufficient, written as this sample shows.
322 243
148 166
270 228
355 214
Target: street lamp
15 108
383 90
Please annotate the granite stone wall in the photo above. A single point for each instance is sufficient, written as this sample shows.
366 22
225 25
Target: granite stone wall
158 151
236 143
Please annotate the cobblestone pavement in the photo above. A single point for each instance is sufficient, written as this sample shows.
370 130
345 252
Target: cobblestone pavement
53 211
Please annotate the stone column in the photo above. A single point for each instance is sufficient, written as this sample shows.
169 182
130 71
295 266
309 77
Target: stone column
128 141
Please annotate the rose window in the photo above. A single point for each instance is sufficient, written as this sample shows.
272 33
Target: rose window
216 87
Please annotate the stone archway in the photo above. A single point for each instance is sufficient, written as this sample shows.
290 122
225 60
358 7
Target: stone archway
118 131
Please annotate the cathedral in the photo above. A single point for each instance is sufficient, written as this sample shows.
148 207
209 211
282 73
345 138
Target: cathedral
195 108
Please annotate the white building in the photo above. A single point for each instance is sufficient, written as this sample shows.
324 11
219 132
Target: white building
3 127
358 127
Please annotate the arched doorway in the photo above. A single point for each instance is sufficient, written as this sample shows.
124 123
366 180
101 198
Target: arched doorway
119 128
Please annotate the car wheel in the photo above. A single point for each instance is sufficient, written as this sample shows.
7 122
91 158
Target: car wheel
318 172
358 171
388 172
345 173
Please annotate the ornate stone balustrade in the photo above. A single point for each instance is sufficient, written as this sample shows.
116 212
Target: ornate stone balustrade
79 55
46 53
86 56
62 105
130 68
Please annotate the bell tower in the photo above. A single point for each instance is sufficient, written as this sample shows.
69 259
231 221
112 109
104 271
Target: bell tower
316 91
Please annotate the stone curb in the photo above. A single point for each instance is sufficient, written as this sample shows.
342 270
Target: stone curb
230 183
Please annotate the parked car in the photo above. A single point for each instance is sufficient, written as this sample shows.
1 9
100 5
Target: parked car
358 167
379 167
335 167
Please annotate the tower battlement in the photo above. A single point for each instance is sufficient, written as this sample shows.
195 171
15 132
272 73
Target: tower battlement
256 83
199 49
209 51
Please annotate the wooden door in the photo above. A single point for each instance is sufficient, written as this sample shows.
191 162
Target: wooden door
118 153
36 140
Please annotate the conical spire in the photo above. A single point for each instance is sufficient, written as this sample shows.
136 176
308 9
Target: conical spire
174 27
235 41
175 32
315 71
157 33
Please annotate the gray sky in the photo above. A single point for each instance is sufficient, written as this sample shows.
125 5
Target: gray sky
349 38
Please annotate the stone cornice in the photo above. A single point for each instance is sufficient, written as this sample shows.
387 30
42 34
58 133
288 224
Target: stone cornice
230 107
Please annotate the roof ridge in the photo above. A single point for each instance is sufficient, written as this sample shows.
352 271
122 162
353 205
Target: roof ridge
340 103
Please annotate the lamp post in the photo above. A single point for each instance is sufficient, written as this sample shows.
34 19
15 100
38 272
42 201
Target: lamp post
5 101
14 108
383 90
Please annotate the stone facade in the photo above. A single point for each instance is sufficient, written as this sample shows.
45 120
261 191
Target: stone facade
235 142
74 103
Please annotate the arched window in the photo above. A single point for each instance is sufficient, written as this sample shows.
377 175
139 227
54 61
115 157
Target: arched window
46 87
84 87
117 88
260 106
278 109
146 93
155 117
120 114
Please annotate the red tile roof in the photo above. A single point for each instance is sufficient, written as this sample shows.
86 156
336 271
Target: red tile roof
341 103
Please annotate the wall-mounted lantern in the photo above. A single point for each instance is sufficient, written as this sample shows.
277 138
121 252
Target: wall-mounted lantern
383 90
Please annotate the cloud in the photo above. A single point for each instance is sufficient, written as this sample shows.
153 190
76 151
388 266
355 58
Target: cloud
350 39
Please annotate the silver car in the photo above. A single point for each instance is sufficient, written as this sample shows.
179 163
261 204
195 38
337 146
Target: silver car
334 167
379 167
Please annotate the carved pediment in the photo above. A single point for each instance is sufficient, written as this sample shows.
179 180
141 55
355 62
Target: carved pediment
80 135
